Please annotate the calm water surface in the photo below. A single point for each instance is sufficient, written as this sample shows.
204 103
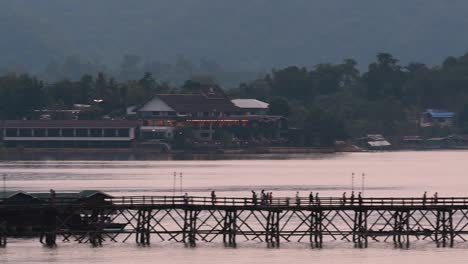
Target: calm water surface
386 174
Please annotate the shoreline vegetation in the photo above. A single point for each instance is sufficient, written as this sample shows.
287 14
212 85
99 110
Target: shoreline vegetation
145 154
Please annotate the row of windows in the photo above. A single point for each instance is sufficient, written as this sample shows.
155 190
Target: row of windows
66 132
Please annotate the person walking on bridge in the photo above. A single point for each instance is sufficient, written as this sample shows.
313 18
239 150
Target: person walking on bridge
298 199
317 199
352 198
360 198
424 199
436 197
213 197
254 197
311 198
343 199
262 197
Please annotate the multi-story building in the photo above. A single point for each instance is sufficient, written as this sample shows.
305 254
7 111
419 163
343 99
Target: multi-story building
206 114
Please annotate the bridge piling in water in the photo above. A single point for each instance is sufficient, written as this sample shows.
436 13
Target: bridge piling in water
230 228
272 229
143 229
3 233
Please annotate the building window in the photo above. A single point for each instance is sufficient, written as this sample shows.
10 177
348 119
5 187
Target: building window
82 132
25 132
95 132
11 132
67 132
53 132
156 113
171 113
124 132
39 132
110 132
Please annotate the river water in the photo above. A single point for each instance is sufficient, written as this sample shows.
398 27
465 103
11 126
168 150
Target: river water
385 174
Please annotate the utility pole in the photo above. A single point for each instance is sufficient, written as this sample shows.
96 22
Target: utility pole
363 180
4 185
174 183
180 183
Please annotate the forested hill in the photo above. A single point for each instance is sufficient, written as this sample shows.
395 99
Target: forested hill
242 34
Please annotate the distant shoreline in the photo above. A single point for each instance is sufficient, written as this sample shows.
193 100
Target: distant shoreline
145 154
132 154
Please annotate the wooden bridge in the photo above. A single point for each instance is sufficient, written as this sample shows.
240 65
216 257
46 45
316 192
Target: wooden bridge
192 220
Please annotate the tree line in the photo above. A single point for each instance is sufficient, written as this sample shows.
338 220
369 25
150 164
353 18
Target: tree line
326 102
337 101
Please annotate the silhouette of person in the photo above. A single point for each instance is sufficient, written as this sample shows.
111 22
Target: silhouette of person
213 197
254 197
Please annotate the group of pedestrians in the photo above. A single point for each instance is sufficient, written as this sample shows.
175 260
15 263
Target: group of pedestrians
265 197
352 199
435 198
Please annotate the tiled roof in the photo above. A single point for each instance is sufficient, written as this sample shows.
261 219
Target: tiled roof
197 103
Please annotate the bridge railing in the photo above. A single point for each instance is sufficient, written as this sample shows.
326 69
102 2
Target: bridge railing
288 201
244 201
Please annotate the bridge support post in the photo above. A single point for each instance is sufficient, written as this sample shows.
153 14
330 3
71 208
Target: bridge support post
230 228
49 235
316 229
95 236
444 233
3 233
190 227
143 227
360 229
272 234
401 229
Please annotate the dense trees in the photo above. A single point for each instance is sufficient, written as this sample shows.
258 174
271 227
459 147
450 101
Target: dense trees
328 102
21 94
337 101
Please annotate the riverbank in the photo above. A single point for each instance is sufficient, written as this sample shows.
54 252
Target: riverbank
147 154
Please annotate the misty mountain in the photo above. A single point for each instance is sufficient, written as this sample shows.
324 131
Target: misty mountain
243 34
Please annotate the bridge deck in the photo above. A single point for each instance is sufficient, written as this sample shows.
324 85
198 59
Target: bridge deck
193 219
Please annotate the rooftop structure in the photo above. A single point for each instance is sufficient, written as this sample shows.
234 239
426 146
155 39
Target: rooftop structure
250 106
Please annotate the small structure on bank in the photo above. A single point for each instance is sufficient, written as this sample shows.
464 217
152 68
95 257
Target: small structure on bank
435 117
374 142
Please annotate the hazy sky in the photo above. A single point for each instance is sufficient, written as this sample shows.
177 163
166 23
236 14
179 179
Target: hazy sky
243 33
